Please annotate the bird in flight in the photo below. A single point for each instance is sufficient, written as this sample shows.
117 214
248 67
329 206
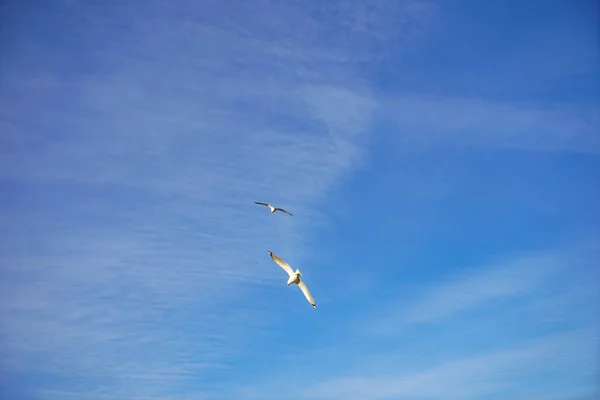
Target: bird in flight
273 209
294 278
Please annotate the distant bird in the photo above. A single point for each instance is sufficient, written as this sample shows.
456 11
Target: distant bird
273 209
294 278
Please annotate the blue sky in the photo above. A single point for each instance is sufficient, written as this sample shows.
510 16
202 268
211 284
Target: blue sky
441 160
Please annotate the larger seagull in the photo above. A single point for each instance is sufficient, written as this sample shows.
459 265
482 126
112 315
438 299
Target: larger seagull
294 278
273 209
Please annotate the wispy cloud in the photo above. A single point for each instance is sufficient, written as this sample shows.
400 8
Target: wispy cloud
433 121
492 375
134 141
478 287
530 277
568 358
155 129
525 327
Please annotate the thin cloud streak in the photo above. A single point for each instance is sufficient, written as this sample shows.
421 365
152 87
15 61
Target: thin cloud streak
473 377
136 182
137 140
473 288
495 342
478 286
422 121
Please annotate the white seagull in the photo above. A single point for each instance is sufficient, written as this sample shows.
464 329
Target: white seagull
294 278
273 209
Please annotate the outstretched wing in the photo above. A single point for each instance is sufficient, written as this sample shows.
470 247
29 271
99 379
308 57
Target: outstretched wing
262 204
282 210
282 264
307 294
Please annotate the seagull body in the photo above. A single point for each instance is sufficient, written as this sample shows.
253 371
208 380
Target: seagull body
273 209
294 278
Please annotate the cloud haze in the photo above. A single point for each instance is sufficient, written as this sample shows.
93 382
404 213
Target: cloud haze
135 140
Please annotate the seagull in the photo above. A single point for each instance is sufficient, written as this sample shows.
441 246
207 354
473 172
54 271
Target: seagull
273 209
294 278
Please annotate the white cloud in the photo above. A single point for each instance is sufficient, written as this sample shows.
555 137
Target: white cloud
142 155
532 282
424 121
138 226
492 331
570 357
475 287
474 377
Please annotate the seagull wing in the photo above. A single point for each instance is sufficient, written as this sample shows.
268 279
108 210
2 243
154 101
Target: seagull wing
262 204
282 210
282 264
307 294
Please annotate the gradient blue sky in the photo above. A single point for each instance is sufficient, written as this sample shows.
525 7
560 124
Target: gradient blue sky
441 159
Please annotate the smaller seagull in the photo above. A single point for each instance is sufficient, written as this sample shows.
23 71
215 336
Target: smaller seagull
273 209
294 278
